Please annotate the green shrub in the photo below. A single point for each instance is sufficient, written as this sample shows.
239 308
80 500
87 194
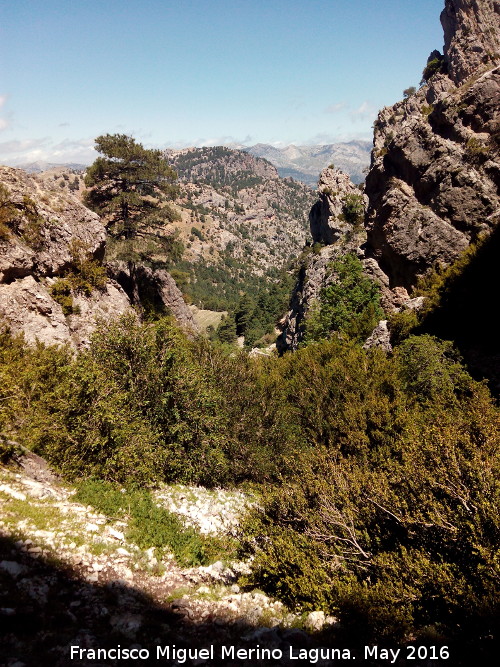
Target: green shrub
353 209
289 568
401 325
393 512
62 292
198 233
8 213
86 274
349 305
476 148
8 449
434 66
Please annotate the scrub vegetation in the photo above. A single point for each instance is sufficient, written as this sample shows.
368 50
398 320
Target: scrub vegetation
379 476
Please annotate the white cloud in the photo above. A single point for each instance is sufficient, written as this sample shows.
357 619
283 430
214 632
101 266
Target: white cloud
44 149
320 139
335 108
200 142
365 111
4 122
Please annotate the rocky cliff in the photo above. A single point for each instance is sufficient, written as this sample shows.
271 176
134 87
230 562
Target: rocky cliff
53 286
435 172
332 217
471 36
340 231
433 184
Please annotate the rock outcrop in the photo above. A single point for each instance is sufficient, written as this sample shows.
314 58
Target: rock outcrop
435 172
44 222
329 226
42 229
148 288
327 219
28 308
380 337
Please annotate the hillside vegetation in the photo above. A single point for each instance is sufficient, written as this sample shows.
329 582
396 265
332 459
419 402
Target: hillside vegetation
381 473
241 224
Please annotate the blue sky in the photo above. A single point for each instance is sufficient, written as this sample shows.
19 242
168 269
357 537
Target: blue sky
203 72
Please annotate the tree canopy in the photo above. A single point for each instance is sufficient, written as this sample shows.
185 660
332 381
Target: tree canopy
129 186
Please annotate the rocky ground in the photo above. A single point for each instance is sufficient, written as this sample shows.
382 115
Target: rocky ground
69 577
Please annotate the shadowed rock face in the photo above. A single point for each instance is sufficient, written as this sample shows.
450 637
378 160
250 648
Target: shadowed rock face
471 35
433 185
326 217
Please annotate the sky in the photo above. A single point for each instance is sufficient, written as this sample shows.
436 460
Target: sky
203 72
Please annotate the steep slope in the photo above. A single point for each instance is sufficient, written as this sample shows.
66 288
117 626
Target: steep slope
435 172
432 188
53 285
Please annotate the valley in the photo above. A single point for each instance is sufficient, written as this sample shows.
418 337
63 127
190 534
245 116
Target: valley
236 411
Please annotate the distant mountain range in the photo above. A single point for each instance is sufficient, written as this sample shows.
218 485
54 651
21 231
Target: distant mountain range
304 163
38 167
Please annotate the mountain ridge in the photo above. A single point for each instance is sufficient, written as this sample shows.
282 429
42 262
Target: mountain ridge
305 163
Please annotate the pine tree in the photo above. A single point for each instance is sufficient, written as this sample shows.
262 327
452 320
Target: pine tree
243 314
129 186
226 331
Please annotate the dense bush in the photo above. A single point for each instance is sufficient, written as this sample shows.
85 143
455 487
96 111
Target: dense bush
136 407
350 304
380 474
401 519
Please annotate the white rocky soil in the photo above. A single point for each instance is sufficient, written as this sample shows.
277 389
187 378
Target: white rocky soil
73 570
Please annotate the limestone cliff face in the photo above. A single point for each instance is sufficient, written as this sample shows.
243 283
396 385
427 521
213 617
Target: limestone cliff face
44 222
433 185
326 219
329 226
40 228
471 36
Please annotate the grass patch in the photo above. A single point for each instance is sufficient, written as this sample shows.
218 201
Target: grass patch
178 593
100 548
151 525
43 516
